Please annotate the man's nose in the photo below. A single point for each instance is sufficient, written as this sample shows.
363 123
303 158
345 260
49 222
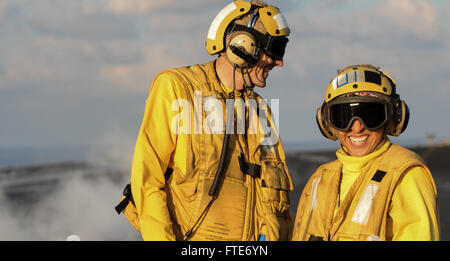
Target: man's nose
279 63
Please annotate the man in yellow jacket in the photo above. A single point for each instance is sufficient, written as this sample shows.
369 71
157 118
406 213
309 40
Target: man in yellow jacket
201 170
375 190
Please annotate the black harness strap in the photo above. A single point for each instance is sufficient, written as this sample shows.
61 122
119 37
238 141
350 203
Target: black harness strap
129 197
253 170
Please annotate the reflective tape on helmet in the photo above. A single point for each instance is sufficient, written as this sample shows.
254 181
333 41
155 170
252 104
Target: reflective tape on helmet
343 79
216 32
281 21
274 21
218 20
359 79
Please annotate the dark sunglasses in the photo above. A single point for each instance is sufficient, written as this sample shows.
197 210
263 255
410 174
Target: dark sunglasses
374 115
275 47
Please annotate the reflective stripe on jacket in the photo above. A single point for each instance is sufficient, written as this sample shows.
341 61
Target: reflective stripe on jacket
246 206
364 212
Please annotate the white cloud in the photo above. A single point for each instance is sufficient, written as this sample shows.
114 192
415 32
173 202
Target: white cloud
127 7
134 6
138 76
121 7
179 22
396 19
416 17
45 59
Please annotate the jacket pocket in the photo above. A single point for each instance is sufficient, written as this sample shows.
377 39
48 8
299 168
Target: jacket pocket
275 186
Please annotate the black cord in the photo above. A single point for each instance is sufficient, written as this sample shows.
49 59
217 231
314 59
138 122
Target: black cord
221 168
226 140
189 232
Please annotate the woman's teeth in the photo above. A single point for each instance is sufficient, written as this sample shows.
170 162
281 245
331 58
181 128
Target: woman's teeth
358 139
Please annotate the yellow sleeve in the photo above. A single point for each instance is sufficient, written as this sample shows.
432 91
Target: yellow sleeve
154 147
303 211
413 213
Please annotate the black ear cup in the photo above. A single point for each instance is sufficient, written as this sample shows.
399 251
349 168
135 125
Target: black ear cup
405 117
323 126
400 117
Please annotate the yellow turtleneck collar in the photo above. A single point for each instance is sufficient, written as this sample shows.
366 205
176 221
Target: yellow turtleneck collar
351 166
355 164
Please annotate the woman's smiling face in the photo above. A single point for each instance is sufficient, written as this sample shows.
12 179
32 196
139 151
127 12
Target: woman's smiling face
360 141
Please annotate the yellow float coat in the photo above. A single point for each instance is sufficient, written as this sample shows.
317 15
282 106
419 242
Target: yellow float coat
386 195
246 206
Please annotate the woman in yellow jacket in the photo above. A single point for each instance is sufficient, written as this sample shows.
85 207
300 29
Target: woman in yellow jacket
375 190
189 181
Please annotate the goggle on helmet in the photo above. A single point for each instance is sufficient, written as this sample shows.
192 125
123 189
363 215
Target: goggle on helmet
273 42
362 92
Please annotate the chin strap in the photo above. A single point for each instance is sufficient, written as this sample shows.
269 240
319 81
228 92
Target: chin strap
245 72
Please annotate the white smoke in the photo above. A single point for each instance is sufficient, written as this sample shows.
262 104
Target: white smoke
80 205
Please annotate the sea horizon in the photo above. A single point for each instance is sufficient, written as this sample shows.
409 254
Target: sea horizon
21 155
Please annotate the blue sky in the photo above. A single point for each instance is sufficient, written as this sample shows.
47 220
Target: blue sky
77 72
